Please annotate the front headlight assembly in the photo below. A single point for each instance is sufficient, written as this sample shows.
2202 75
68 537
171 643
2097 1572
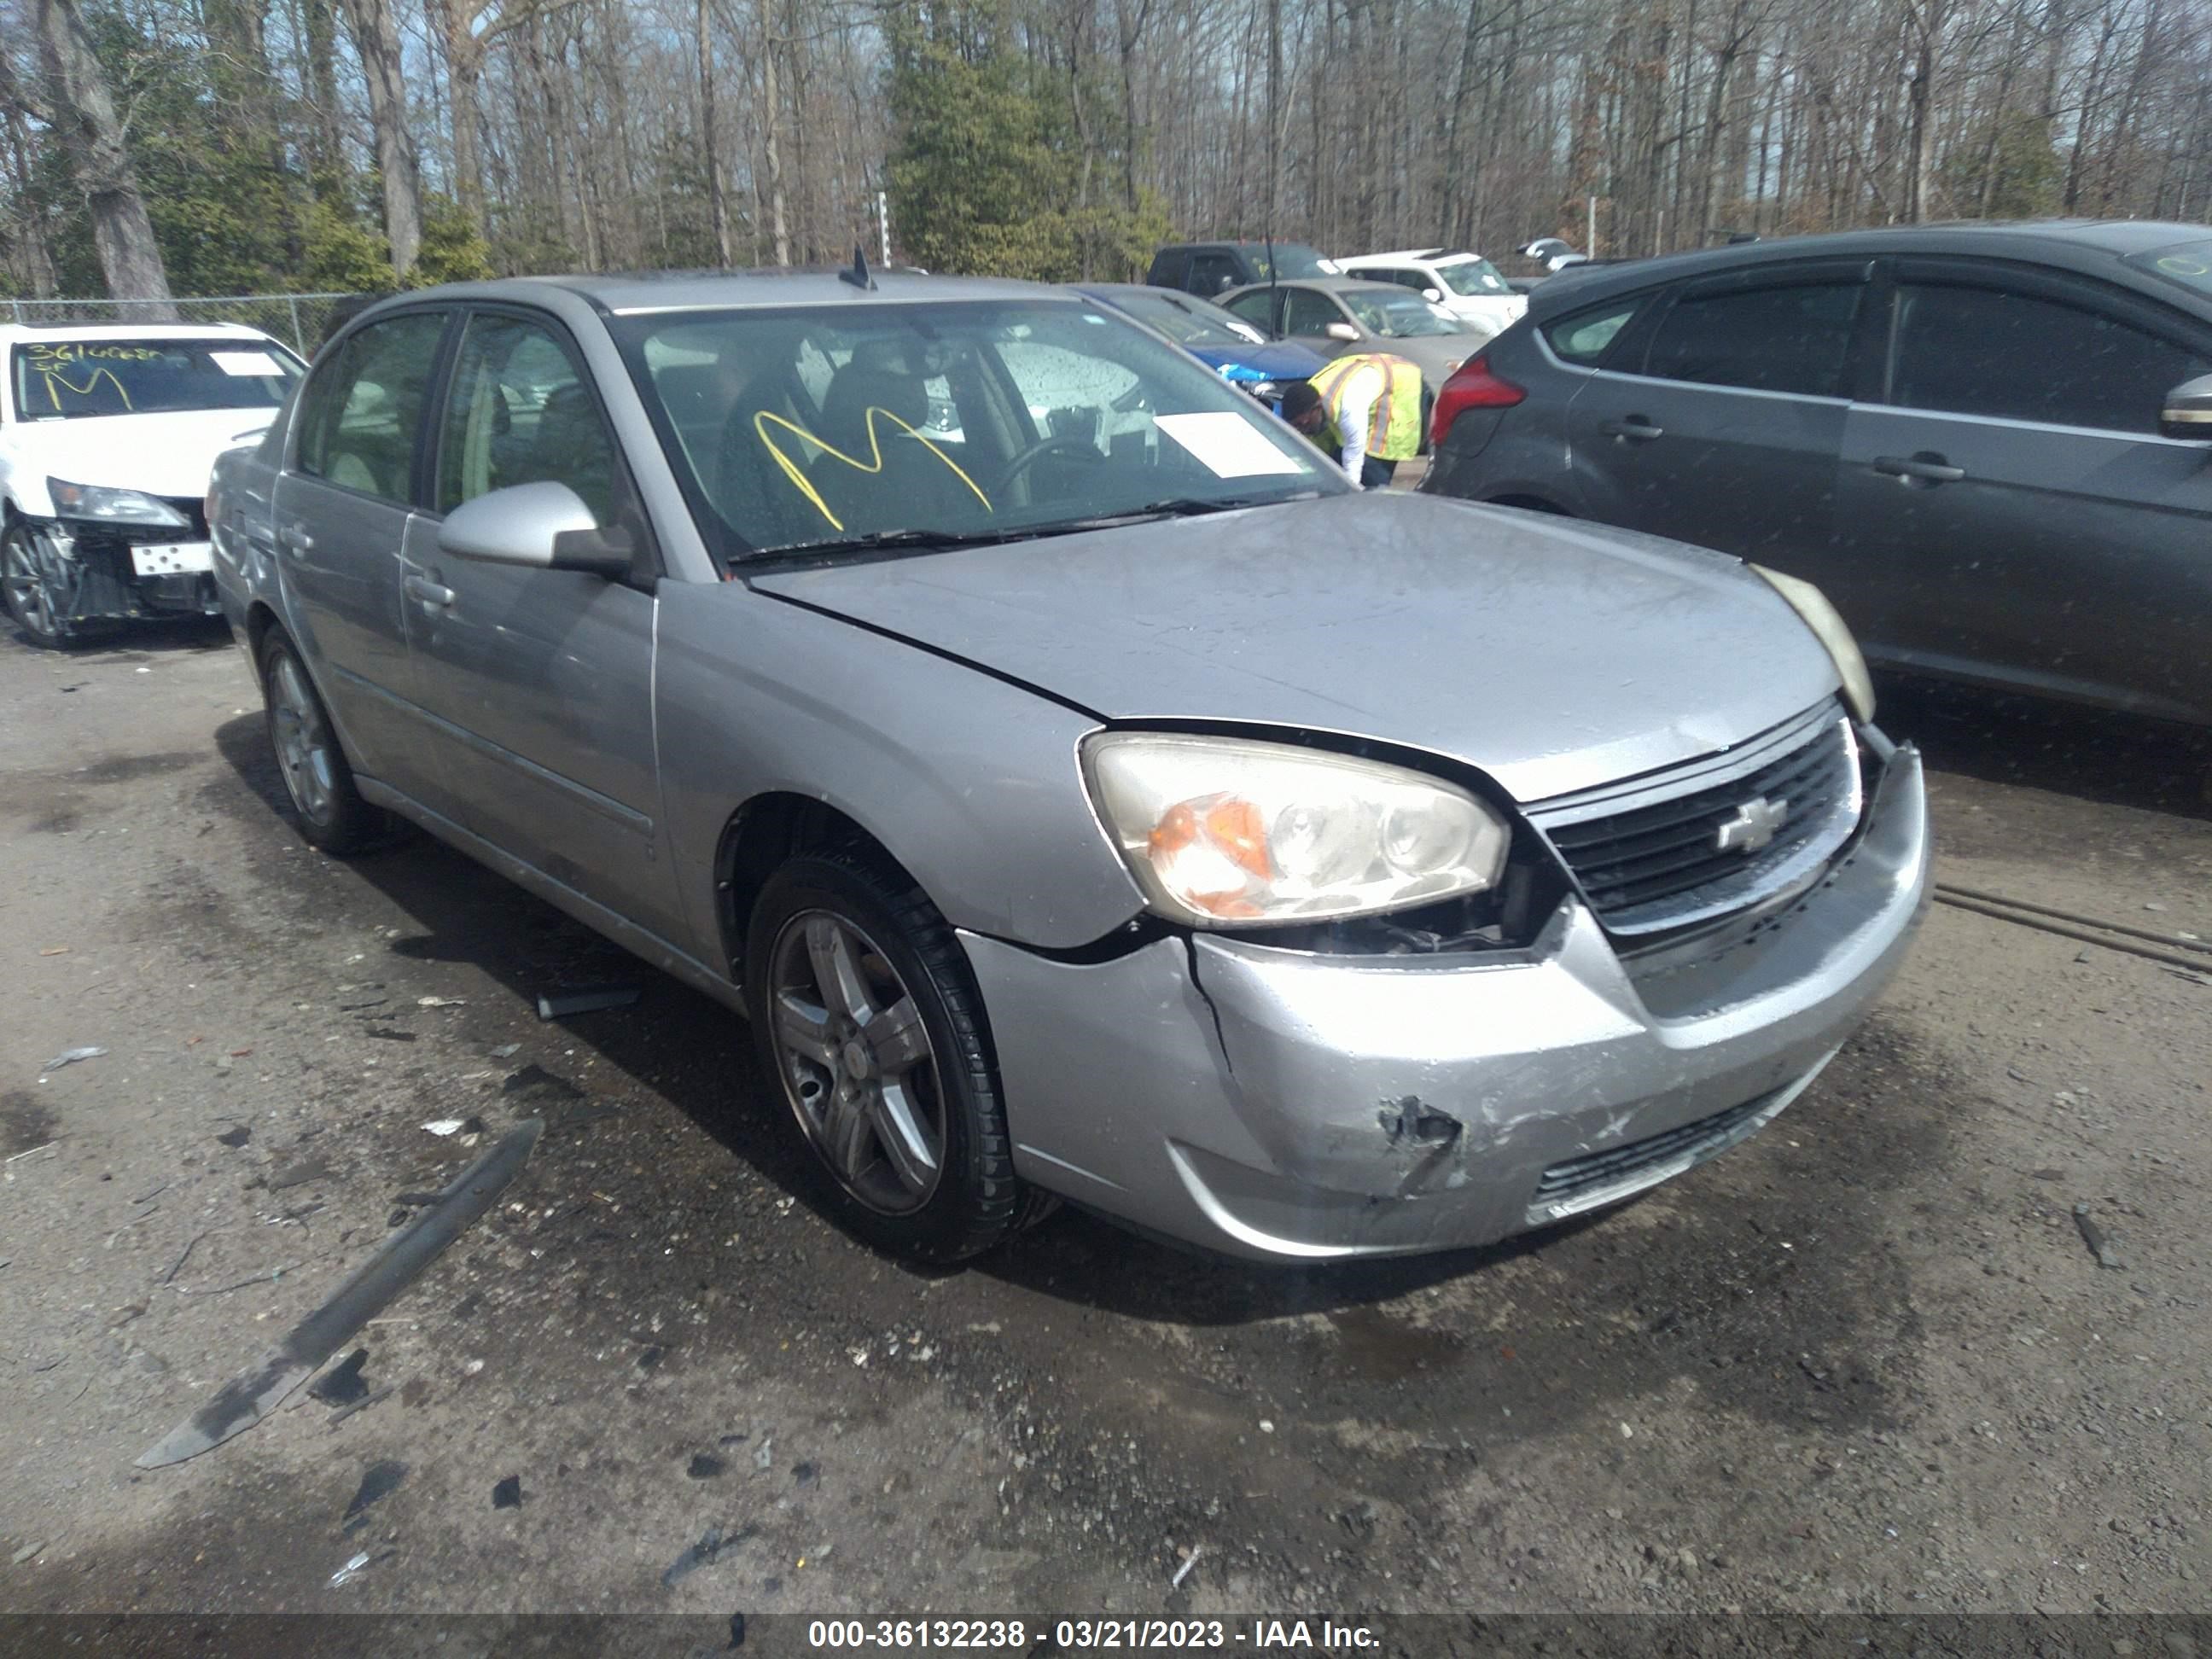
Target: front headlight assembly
1223 832
1827 624
103 505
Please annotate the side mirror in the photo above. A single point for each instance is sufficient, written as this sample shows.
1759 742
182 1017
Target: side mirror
2187 410
1343 333
1433 295
541 526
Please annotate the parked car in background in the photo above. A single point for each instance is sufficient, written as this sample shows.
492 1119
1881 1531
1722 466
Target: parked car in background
1211 268
1112 803
1992 445
1332 315
1466 284
1234 348
106 437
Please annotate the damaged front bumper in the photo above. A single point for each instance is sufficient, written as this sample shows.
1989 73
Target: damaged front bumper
108 573
1289 1105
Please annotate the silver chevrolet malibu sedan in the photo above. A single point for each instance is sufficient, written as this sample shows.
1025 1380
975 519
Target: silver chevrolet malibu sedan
1085 792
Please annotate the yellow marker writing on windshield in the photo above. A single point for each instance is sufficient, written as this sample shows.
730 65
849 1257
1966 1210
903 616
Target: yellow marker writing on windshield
873 464
51 375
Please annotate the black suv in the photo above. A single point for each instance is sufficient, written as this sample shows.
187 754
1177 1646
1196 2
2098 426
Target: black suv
1208 268
1990 444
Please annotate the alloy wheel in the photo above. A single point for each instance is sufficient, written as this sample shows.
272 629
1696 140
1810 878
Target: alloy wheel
304 747
856 1062
27 574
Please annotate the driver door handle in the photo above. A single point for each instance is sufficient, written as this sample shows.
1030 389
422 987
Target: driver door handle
433 596
1635 429
1926 468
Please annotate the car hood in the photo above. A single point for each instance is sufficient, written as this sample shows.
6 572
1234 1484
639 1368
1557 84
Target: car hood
164 454
1281 360
1552 654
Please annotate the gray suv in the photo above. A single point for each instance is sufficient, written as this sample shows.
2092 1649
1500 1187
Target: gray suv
1992 445
1088 794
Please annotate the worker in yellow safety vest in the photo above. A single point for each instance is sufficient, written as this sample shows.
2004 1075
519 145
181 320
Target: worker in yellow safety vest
1363 410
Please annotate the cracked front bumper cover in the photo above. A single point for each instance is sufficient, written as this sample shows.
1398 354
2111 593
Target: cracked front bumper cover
1286 1105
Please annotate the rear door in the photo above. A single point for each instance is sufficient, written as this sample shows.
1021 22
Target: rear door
540 681
342 505
2008 509
1721 423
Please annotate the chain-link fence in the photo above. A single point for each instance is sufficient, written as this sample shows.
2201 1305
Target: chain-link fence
302 321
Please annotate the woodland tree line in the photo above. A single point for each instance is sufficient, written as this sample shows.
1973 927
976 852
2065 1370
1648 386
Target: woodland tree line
150 146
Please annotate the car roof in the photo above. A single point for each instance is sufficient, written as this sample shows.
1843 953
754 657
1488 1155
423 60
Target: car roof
1230 241
1326 284
12 333
2091 246
1427 256
644 293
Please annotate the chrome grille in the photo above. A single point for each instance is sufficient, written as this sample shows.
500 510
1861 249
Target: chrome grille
1669 851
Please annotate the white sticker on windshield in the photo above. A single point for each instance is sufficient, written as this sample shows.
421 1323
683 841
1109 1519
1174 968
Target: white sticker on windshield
1227 445
243 363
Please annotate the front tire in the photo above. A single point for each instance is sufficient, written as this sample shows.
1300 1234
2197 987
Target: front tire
869 1025
35 600
330 813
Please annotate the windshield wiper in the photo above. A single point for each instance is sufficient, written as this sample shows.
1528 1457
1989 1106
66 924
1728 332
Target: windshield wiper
1180 506
870 542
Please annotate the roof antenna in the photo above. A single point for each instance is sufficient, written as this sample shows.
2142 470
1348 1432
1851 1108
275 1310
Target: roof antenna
858 275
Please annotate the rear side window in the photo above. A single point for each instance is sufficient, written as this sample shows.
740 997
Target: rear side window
1585 337
1986 351
1791 338
1257 308
1169 269
364 408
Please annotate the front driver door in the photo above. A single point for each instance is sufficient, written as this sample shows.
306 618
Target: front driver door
541 681
2009 510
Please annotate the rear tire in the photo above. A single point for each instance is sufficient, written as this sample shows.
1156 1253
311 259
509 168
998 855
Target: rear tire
871 1028
329 812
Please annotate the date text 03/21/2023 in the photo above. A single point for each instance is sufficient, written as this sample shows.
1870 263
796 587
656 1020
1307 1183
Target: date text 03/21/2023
1259 1635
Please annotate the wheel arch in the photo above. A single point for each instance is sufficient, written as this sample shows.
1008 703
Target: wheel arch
761 835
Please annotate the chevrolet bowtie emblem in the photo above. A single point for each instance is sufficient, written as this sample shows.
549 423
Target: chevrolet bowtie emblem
1756 822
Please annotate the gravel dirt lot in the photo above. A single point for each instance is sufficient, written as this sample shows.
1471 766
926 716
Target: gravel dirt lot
1864 1362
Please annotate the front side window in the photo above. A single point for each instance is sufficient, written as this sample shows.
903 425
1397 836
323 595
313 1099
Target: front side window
1308 312
364 408
79 379
1792 338
1210 273
520 412
983 419
1291 260
2015 356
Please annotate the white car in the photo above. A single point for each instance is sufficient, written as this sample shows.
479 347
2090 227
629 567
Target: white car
1466 284
108 437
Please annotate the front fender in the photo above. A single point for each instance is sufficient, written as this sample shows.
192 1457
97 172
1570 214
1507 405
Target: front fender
971 783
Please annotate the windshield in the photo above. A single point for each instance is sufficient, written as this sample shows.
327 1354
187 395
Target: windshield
1473 275
2189 264
1292 259
1397 315
825 427
1187 321
74 379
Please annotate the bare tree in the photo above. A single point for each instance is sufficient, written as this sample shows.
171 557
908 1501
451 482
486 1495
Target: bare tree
375 34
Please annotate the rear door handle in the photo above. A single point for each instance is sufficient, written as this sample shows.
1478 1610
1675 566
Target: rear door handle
1927 467
431 594
295 537
1635 429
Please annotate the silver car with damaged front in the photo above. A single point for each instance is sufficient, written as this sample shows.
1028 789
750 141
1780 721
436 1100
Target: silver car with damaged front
1082 791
